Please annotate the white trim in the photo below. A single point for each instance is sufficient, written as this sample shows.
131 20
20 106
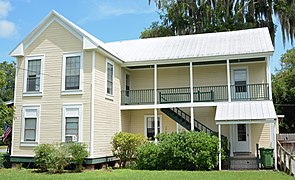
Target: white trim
275 145
14 100
26 69
228 80
18 50
76 91
192 118
239 68
38 112
231 140
152 116
109 96
92 104
27 144
249 137
252 121
268 76
197 59
155 84
64 109
156 124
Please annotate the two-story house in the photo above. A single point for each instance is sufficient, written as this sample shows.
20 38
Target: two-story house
70 86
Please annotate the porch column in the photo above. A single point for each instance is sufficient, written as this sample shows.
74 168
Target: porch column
155 101
275 144
228 80
268 77
219 146
192 95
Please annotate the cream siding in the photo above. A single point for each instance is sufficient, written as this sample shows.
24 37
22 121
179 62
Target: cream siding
52 43
137 121
209 75
107 113
260 134
125 121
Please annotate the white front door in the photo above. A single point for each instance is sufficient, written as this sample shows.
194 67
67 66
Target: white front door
240 84
242 137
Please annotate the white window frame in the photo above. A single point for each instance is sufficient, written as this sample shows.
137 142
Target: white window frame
74 91
25 108
239 68
106 78
27 59
71 106
145 123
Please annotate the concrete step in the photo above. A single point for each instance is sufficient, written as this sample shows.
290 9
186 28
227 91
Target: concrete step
243 163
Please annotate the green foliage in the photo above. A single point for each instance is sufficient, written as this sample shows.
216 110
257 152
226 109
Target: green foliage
43 156
156 30
125 145
7 74
1 160
56 157
283 87
194 17
78 152
182 151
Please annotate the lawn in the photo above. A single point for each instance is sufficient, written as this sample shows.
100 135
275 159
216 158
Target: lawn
142 175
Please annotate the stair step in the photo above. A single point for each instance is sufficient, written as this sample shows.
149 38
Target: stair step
243 163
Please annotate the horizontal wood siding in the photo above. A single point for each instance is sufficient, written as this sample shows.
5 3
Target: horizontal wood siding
107 114
52 43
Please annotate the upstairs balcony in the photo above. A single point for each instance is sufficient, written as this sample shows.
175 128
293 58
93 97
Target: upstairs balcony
219 93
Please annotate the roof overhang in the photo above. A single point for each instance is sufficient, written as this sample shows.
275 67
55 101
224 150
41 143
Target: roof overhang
245 112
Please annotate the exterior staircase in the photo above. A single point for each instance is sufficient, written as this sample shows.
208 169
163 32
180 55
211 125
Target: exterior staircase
184 120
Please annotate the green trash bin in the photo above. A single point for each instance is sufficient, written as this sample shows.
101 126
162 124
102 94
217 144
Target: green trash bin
266 157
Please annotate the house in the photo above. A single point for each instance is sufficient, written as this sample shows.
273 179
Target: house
70 86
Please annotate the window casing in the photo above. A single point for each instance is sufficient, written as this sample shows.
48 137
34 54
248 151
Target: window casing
33 75
109 78
240 80
30 124
149 124
72 72
72 119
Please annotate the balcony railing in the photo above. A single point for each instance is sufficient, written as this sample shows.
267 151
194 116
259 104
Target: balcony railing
200 94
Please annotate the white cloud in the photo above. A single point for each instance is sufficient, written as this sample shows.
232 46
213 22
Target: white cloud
7 29
4 8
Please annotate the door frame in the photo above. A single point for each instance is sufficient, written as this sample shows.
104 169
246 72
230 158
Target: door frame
233 139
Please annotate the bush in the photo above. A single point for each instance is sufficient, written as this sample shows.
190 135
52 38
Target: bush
78 152
57 157
43 156
183 151
125 145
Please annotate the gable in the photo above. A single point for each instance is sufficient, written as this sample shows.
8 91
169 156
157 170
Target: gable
55 36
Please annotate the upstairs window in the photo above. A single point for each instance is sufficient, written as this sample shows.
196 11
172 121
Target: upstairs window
72 71
240 78
110 78
33 75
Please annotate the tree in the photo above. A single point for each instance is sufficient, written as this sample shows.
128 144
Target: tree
283 85
156 30
205 16
285 10
7 75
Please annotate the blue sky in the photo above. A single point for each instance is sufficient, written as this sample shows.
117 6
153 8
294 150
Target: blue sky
108 20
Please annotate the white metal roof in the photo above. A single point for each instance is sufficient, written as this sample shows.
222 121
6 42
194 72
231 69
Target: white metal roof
245 110
193 46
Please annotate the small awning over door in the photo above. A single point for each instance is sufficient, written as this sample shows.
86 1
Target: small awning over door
246 111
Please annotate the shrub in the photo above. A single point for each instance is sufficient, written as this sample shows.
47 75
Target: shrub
1 160
60 158
43 156
125 145
78 152
183 151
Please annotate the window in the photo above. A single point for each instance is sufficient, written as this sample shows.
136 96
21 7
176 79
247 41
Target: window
127 84
240 77
33 75
110 78
72 115
242 132
30 124
150 126
72 72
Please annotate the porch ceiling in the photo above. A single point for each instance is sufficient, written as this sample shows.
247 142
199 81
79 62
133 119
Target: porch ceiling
245 111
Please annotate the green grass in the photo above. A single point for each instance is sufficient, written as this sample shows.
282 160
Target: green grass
142 175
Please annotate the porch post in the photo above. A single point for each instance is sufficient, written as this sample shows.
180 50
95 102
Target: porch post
275 144
219 146
268 77
192 95
228 80
155 101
